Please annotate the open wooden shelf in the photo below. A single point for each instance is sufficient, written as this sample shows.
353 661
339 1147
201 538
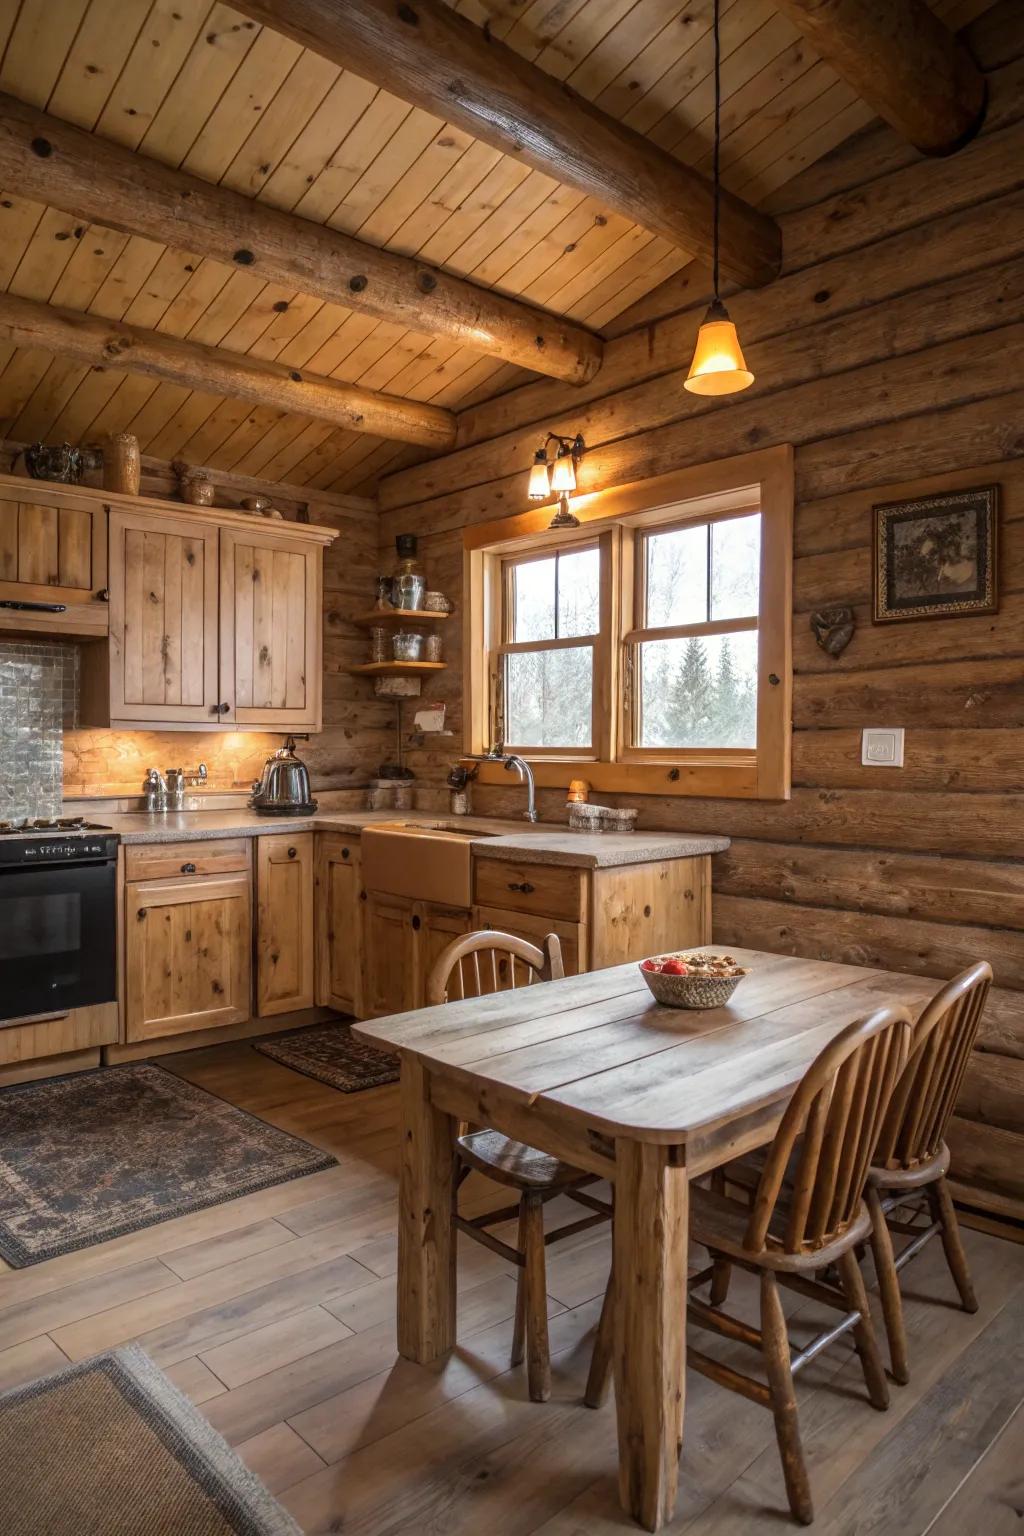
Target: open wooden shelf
379 617
397 668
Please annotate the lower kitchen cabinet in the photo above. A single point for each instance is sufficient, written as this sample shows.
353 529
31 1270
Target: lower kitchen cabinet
284 923
403 939
571 936
188 954
339 924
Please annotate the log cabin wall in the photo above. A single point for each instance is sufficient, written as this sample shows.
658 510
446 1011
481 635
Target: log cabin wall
358 729
890 354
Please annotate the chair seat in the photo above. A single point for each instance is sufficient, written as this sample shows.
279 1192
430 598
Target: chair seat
516 1164
720 1224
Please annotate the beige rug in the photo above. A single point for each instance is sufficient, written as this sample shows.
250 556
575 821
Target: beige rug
111 1448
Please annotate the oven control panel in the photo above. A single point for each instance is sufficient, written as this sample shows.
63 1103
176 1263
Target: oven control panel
57 850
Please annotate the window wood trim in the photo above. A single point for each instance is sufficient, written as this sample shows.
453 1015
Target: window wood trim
756 481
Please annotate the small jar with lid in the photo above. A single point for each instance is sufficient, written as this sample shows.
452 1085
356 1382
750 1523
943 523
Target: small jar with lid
409 583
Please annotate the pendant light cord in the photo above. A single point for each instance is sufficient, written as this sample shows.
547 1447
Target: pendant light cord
718 136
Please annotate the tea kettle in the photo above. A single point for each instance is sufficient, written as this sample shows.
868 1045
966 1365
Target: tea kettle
284 788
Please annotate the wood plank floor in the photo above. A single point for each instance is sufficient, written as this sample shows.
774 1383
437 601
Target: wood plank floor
274 1313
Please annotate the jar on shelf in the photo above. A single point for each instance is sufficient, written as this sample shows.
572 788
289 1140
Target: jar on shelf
409 583
433 649
407 646
380 648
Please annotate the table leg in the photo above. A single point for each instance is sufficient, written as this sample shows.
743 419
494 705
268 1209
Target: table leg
426 1237
650 1260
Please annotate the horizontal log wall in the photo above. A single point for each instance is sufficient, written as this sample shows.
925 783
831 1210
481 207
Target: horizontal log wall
890 353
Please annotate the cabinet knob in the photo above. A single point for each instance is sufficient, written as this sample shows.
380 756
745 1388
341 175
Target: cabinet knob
140 914
219 709
521 885
188 869
416 923
292 852
103 595
344 853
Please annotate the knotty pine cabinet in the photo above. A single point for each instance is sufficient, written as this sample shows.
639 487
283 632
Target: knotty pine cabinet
339 899
285 942
188 954
215 620
401 941
53 550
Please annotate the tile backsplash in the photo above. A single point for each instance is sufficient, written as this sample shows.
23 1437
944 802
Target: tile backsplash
38 701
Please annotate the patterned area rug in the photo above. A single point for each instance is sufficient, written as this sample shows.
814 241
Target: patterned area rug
93 1156
333 1055
111 1448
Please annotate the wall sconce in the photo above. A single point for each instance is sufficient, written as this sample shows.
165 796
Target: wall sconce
557 476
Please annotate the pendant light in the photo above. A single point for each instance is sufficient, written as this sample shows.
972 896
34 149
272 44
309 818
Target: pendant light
718 366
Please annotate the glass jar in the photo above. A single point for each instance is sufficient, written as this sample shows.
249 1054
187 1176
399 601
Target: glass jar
380 649
409 583
434 647
407 646
403 794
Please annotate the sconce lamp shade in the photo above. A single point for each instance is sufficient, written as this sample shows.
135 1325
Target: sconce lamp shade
563 474
718 366
540 483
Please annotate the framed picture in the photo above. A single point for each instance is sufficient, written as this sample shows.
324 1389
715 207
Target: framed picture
936 557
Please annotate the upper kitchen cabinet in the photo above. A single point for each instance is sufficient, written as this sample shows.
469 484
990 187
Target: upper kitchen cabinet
53 555
214 621
270 635
164 662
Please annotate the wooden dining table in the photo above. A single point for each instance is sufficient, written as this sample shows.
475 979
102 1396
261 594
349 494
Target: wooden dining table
594 1071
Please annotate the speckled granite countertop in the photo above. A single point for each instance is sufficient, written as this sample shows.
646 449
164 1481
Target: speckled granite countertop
543 843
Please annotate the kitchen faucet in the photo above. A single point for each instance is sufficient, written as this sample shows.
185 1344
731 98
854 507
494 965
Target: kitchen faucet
514 764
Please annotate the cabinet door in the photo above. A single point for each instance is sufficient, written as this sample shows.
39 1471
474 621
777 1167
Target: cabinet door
339 923
163 620
270 618
53 547
438 927
188 954
284 923
571 936
389 982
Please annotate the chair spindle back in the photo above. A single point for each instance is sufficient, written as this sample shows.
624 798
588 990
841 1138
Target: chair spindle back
836 1115
477 964
914 1129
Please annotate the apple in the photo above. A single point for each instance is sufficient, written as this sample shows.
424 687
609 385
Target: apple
674 968
650 965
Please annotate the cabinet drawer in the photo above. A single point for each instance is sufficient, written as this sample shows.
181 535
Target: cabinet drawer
166 861
552 889
571 936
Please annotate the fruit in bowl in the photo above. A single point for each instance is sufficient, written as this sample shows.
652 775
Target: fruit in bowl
692 979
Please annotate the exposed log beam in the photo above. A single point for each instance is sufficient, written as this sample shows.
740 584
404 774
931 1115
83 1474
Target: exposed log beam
903 61
110 344
86 175
430 56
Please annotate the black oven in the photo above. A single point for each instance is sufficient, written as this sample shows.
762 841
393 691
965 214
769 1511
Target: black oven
57 924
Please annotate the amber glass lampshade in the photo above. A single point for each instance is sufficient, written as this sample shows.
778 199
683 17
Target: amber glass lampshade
563 472
540 482
718 366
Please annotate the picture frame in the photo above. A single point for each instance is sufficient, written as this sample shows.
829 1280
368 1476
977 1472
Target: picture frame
936 556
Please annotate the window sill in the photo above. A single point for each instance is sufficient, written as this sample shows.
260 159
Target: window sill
715 778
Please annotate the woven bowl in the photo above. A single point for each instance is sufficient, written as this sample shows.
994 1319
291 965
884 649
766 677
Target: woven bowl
690 991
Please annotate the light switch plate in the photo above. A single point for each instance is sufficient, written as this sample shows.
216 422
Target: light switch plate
881 746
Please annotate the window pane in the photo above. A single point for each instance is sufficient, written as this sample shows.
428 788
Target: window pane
735 567
698 692
548 697
579 597
677 577
533 600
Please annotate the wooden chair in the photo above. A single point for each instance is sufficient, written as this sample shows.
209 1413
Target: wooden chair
912 1156
473 966
795 1227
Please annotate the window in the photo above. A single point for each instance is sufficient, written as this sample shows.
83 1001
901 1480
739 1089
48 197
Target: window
551 618
649 649
693 657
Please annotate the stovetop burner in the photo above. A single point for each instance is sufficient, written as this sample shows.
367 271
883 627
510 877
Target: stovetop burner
25 826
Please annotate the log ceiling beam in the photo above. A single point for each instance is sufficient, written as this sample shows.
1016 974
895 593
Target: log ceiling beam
94 179
903 61
111 344
438 60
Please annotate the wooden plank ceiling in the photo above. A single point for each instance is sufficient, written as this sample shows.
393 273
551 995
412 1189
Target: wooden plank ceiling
200 86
